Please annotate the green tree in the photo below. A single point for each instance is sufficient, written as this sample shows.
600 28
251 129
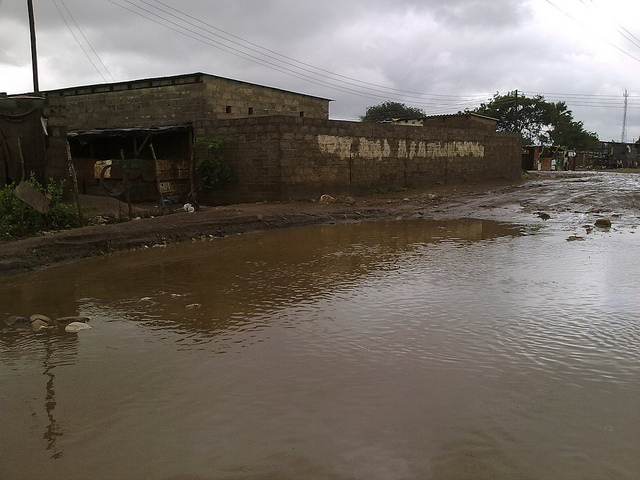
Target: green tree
537 120
387 111
571 133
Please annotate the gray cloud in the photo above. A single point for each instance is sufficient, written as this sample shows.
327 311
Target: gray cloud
464 49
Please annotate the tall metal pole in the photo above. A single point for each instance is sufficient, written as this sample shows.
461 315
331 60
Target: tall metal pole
34 52
623 139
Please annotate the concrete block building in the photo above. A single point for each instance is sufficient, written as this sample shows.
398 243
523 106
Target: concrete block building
193 98
280 144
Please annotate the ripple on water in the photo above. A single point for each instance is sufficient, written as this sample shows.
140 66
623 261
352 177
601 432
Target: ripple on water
417 349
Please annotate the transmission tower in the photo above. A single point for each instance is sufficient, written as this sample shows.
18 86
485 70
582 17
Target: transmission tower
624 118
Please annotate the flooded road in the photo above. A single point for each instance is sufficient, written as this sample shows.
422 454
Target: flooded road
415 349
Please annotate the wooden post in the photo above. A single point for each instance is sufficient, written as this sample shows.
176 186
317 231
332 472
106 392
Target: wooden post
74 177
156 171
21 155
192 173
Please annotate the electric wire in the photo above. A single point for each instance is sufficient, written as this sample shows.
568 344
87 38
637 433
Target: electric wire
581 24
86 40
192 27
635 41
201 38
308 72
324 71
295 70
78 41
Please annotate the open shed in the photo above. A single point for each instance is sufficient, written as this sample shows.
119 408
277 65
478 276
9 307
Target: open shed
147 162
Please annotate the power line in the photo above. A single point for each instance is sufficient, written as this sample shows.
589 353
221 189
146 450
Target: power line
204 32
633 39
324 71
286 64
208 34
85 39
78 41
581 24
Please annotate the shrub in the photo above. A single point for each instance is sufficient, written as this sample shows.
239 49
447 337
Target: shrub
212 168
17 219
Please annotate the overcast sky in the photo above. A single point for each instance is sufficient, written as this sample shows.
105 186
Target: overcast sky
439 55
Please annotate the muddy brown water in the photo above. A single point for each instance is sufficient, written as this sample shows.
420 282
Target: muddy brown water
461 349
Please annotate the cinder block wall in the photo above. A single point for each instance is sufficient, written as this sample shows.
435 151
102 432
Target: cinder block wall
54 110
195 99
116 106
279 157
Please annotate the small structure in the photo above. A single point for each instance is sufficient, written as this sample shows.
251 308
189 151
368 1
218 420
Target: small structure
32 138
150 163
608 155
548 158
623 155
464 120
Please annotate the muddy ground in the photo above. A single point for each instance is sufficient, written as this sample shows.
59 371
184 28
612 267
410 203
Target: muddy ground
574 201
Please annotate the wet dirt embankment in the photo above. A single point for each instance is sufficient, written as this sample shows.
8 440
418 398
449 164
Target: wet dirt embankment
568 197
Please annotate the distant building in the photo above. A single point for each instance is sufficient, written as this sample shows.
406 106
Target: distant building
455 120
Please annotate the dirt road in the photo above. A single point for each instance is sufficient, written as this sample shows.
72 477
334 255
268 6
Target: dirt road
572 200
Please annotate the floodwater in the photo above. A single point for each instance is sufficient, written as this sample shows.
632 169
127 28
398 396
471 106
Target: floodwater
418 349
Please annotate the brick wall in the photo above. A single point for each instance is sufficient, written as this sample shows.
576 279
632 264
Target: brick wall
279 157
195 98
54 110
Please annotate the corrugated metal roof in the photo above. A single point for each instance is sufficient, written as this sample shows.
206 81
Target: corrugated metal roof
129 132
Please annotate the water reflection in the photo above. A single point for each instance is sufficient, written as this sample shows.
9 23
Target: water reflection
214 286
49 349
392 351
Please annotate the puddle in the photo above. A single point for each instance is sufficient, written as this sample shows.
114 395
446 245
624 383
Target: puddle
391 350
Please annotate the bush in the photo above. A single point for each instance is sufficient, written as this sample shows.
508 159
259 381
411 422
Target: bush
17 219
212 169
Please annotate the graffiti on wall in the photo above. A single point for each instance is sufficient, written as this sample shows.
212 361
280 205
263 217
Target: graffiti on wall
346 147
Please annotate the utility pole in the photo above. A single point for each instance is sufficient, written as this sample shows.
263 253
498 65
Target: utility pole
516 122
34 52
624 118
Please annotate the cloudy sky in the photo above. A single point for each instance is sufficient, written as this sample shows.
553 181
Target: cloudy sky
439 55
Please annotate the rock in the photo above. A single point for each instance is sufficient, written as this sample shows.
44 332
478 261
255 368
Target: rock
16 320
74 327
42 318
603 223
72 319
543 215
574 238
37 325
325 199
341 199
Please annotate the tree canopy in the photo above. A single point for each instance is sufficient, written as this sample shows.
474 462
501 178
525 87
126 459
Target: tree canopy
387 111
537 120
